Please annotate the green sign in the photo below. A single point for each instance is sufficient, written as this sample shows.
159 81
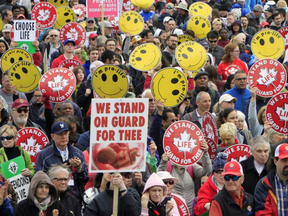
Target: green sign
13 167
26 45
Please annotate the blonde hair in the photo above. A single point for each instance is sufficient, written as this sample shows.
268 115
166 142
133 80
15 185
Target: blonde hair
10 129
228 129
259 115
281 4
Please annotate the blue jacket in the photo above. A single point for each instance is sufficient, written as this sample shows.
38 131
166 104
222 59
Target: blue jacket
86 66
50 156
6 208
242 95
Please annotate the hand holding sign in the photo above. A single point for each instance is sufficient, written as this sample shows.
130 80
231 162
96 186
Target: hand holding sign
169 207
26 172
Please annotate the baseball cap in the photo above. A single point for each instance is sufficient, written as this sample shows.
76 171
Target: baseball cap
107 24
19 103
7 28
233 168
263 24
201 73
93 35
268 9
167 19
135 39
90 19
281 151
59 127
226 98
170 6
119 47
69 40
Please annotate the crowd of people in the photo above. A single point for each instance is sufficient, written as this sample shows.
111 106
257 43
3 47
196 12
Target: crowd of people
60 181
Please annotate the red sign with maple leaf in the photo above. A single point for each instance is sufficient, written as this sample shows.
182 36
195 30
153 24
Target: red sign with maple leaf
80 11
73 31
238 152
269 76
58 83
69 64
33 141
209 127
45 15
181 205
182 141
284 32
277 112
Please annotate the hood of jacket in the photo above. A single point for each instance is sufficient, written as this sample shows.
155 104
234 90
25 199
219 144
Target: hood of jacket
237 22
42 178
155 180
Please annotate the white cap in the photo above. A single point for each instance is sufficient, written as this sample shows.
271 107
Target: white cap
167 19
226 98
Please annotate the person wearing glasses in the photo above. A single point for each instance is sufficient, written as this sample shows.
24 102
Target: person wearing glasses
8 135
240 91
59 176
212 186
232 199
217 51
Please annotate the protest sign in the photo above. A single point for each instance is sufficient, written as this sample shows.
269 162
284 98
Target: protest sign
118 135
145 4
13 167
64 15
277 112
127 6
80 11
45 15
58 3
24 30
269 76
182 141
1 25
21 185
110 81
14 55
238 152
69 64
74 31
191 50
131 22
25 76
212 148
267 44
145 57
58 83
200 25
33 141
200 8
110 8
169 85
284 32
184 38
209 127
181 206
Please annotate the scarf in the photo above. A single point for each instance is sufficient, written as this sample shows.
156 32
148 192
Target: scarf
44 204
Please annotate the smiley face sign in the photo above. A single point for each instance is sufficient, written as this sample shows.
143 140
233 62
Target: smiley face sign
110 81
191 55
184 38
145 4
58 3
169 85
267 44
64 15
200 8
200 25
25 76
14 55
145 57
131 22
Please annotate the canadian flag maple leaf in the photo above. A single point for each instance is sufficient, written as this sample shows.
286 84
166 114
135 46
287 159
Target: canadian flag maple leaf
268 76
32 147
283 113
43 15
239 159
184 143
58 84
209 131
128 6
72 34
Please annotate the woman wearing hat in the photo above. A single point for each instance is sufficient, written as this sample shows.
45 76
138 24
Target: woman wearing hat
212 186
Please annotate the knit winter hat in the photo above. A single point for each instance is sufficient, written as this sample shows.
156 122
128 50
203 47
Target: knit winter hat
220 161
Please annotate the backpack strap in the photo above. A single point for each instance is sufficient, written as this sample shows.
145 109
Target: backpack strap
169 167
190 171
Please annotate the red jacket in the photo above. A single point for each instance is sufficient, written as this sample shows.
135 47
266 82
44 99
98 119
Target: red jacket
61 58
205 195
227 68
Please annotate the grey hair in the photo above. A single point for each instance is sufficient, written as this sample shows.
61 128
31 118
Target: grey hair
238 72
145 92
270 134
199 95
52 172
258 141
65 102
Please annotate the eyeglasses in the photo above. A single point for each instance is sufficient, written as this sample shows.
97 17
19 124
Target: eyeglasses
151 99
25 110
230 101
214 41
53 35
7 138
187 98
93 39
239 79
37 95
90 21
234 178
61 179
174 120
218 171
171 182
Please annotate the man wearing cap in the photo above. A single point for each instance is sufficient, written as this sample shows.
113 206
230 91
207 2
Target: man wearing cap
226 101
271 193
268 11
254 16
69 47
107 29
92 41
62 152
90 25
168 12
232 200
183 14
217 51
6 33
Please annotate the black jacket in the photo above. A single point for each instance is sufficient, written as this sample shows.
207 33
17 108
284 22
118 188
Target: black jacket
71 203
84 101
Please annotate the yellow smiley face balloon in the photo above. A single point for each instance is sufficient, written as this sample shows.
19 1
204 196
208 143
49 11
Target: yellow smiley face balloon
64 15
169 85
1 25
145 4
145 57
131 22
14 55
58 3
25 76
184 38
200 25
110 81
267 44
191 55
200 8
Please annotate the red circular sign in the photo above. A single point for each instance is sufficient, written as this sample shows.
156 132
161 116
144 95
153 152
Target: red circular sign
238 152
277 112
80 11
58 83
181 205
12 33
73 31
69 64
182 141
209 127
33 141
269 76
212 148
284 32
45 15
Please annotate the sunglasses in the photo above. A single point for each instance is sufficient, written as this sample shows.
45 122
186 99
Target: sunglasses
7 138
214 41
174 120
93 39
61 179
239 79
218 171
171 182
90 21
234 178
151 100
187 98
22 110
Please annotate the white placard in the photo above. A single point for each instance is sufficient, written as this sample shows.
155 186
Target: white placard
21 185
25 30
